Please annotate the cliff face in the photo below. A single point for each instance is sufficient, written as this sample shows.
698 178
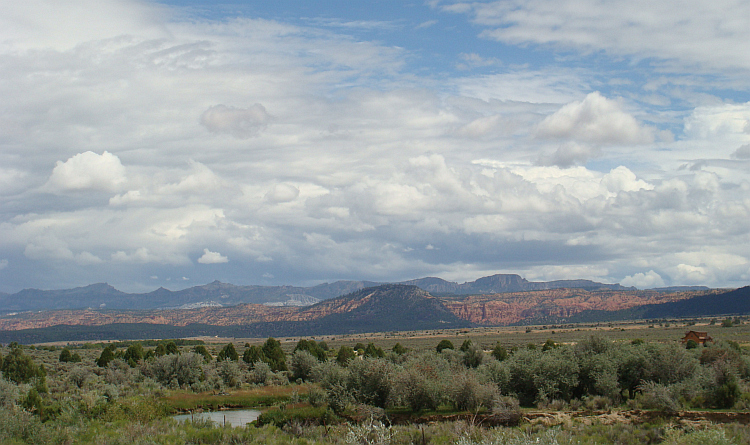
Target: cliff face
509 308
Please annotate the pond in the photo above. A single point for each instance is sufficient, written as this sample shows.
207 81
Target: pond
234 417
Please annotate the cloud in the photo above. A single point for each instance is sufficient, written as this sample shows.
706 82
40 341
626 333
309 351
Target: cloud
646 280
691 33
212 258
87 172
282 193
742 153
241 123
594 120
569 154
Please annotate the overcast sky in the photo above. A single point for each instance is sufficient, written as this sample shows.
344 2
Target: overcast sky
170 144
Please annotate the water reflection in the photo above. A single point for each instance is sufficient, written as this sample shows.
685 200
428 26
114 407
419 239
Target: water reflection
235 417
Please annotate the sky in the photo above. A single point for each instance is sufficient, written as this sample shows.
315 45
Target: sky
148 144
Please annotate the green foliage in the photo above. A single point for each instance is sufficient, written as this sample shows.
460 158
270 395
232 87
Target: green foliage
160 350
691 344
499 352
549 344
106 356
200 349
466 345
20 368
65 355
252 355
473 355
313 348
171 347
133 354
370 381
228 352
374 351
274 355
399 349
344 355
444 344
302 364
727 323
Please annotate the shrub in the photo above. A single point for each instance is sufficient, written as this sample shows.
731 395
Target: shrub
657 396
473 355
499 352
467 393
230 373
369 381
260 372
184 369
444 344
302 363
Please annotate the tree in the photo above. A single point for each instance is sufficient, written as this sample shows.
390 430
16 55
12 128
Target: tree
465 345
691 344
106 356
160 350
252 355
200 349
344 355
313 348
133 354
274 355
374 351
444 344
228 353
65 356
171 347
20 368
499 352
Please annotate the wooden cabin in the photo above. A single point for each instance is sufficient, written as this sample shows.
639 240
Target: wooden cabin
700 337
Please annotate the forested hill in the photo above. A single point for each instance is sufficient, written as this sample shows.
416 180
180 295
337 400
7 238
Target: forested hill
727 303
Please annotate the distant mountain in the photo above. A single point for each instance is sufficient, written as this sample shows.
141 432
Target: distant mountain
217 293
389 307
505 283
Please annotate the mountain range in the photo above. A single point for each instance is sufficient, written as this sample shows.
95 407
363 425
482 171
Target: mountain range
382 308
218 294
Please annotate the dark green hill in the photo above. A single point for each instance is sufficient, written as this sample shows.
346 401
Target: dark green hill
736 302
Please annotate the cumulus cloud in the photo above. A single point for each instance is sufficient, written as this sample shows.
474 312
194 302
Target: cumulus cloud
88 171
594 120
209 257
646 280
241 123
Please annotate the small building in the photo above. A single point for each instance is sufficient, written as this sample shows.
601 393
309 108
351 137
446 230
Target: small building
699 337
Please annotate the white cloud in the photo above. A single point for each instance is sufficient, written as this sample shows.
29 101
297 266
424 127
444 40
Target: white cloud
594 120
88 171
241 123
648 280
209 257
693 32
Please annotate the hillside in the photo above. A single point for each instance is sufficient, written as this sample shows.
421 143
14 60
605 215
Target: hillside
381 308
734 302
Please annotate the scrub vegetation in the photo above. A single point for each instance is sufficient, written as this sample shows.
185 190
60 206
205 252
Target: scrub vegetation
593 391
